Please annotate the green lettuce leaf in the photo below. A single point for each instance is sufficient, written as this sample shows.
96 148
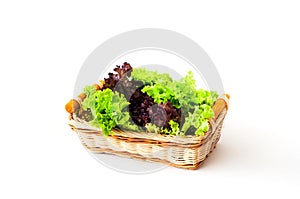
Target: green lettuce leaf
197 120
109 109
152 128
150 77
161 94
120 112
195 103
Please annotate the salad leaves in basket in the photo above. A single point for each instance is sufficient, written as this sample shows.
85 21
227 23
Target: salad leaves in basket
142 100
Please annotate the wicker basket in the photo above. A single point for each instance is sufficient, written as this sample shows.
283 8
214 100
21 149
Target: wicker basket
185 152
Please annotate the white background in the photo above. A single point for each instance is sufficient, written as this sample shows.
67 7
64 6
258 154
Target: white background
254 44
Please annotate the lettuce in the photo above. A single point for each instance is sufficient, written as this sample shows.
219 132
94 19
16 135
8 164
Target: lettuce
150 77
152 128
195 103
197 120
174 128
108 109
120 112
161 94
186 108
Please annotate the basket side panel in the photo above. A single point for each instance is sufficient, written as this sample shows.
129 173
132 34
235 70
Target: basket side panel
189 158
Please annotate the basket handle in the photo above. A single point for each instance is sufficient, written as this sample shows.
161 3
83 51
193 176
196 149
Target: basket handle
221 103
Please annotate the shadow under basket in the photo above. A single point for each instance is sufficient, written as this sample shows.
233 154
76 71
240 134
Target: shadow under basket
179 151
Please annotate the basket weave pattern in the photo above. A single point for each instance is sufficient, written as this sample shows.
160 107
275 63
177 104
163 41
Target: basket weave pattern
184 152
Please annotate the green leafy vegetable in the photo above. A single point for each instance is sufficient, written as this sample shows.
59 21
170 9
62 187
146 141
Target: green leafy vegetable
120 112
196 104
89 101
108 110
152 128
196 120
150 77
206 97
161 94
174 128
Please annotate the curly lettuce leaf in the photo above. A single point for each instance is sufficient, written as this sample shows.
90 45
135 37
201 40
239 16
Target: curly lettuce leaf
152 128
121 113
150 77
175 130
108 109
198 119
195 103
206 97
161 94
89 101
182 93
100 104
